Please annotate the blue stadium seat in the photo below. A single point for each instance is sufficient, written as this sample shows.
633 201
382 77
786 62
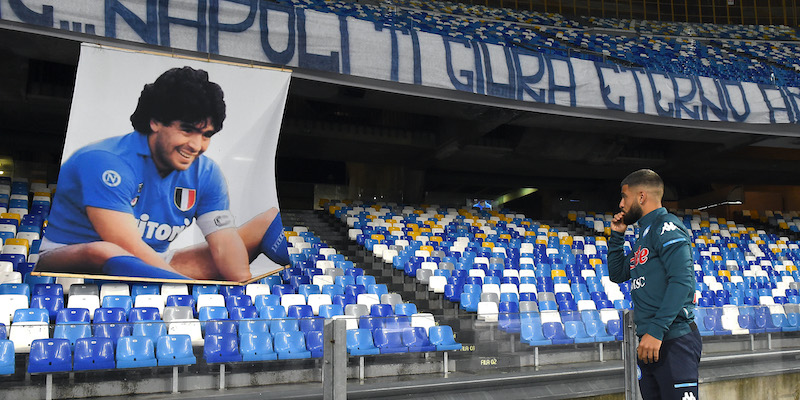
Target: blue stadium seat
7 357
315 343
113 331
311 324
555 332
72 332
242 313
360 343
143 314
531 332
175 350
180 300
576 331
112 314
405 309
123 302
253 326
50 303
93 353
329 310
416 339
389 341
257 347
50 355
220 327
135 352
72 315
211 312
596 329
283 325
221 349
152 329
442 337
290 345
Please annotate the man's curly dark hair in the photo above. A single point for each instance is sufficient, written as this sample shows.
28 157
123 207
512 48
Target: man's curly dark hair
180 94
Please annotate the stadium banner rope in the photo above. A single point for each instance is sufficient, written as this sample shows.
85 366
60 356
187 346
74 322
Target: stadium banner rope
285 35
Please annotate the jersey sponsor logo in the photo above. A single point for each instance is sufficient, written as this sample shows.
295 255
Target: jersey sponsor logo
111 178
668 226
185 198
637 283
158 231
639 257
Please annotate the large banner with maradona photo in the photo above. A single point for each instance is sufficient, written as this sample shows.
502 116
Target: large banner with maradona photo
168 170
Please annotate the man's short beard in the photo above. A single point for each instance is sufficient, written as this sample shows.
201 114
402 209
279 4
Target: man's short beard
632 215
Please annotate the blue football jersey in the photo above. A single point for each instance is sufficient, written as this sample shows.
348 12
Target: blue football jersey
119 174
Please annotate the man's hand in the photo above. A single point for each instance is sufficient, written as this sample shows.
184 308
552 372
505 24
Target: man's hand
648 349
616 223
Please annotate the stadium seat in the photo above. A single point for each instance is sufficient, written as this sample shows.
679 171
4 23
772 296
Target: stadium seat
7 357
257 346
152 329
389 341
72 332
49 355
290 345
175 350
135 352
360 342
222 348
442 337
416 339
94 353
113 331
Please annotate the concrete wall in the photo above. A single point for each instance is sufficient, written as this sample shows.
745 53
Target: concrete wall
775 387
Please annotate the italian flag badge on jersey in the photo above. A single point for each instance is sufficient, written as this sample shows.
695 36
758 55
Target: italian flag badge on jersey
185 198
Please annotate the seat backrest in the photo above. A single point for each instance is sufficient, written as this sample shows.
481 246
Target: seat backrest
110 314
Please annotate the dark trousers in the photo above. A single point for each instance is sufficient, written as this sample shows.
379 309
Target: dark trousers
674 375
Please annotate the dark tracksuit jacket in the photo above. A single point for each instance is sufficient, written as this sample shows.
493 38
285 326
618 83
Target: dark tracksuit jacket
661 271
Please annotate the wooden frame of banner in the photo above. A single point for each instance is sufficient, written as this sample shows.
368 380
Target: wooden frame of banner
157 280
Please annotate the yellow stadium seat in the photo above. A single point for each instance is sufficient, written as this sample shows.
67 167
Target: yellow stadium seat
371 217
488 244
716 258
11 216
425 230
725 273
541 241
18 242
43 194
732 245
705 224
418 212
558 273
412 226
376 207
572 216
333 209
377 236
505 236
426 247
480 235
607 231
549 234
783 225
526 223
595 261
531 233
545 227
791 268
289 234
435 239
567 240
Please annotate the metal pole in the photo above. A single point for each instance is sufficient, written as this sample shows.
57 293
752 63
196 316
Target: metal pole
629 343
334 360
175 379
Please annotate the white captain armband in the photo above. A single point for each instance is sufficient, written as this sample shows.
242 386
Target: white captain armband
213 221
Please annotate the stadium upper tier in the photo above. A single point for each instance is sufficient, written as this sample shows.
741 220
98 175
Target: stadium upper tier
727 52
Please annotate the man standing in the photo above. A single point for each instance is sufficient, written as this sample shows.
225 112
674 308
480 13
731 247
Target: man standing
660 269
123 200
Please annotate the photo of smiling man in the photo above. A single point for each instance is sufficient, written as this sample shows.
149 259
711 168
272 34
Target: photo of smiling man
121 201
